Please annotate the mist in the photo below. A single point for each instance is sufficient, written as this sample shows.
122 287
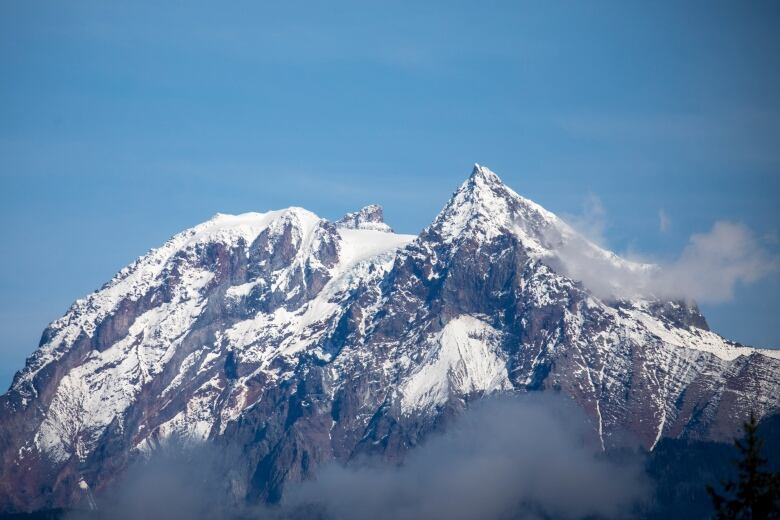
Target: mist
530 456
178 480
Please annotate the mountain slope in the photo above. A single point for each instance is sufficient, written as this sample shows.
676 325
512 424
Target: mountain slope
292 341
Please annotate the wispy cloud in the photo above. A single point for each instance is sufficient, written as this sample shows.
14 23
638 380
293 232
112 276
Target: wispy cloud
663 221
592 222
715 263
708 270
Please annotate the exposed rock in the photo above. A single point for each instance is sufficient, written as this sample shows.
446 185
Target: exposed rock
369 217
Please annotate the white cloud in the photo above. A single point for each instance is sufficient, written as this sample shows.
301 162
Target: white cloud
663 221
592 222
713 264
709 269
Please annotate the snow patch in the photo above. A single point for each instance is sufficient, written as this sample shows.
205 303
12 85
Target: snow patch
464 358
697 339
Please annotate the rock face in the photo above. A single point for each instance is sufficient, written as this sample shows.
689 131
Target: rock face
291 341
369 217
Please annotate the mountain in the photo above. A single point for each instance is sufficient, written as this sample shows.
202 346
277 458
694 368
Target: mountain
290 341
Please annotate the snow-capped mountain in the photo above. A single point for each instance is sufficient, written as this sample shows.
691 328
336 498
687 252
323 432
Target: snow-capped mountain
296 341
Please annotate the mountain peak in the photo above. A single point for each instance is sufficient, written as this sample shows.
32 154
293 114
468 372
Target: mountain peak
485 187
370 217
486 207
485 174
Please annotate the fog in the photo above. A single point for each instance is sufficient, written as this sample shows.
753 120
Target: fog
530 456
522 457
180 480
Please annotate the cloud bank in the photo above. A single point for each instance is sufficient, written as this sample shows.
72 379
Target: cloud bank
526 457
179 481
531 456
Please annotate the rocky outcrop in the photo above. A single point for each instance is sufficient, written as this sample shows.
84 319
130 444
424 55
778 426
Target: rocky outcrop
369 217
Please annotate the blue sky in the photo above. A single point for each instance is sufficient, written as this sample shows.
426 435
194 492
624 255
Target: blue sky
124 123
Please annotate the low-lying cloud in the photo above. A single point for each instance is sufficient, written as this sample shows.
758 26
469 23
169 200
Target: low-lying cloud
532 456
179 481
